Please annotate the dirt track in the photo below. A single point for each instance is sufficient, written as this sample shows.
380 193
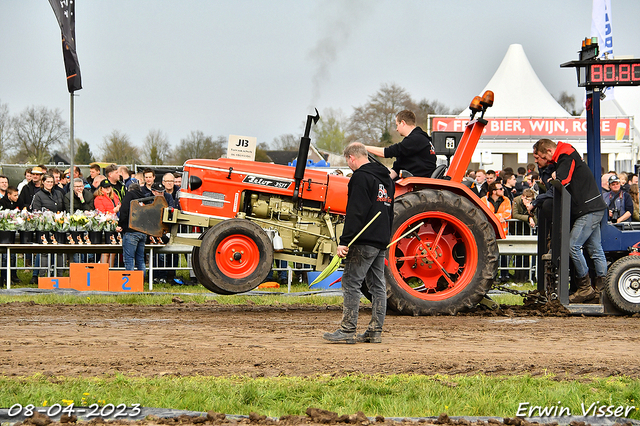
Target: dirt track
210 339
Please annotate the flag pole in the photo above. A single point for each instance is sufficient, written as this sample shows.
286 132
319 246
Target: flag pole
71 167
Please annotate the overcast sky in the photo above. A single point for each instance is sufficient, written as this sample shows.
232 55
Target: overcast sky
257 68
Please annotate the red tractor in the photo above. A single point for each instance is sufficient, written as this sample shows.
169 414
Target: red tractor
446 254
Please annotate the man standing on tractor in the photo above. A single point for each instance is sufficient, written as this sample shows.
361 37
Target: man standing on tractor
587 211
415 153
370 191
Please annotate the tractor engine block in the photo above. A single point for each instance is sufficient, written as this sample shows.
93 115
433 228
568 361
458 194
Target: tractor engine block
302 230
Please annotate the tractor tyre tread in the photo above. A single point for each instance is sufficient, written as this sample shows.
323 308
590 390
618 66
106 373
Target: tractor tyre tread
412 203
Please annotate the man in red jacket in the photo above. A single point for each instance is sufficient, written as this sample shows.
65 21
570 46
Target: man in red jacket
587 211
370 191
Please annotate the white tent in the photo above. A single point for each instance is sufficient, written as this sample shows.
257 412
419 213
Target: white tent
518 90
524 111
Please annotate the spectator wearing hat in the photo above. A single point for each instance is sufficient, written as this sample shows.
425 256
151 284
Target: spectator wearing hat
105 199
82 197
30 189
158 189
618 202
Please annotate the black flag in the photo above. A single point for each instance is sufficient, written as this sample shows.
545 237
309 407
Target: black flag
65 11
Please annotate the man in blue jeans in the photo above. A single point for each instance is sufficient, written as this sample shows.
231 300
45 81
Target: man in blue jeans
132 241
370 191
587 211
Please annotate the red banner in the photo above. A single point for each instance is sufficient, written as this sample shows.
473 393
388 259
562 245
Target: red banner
536 128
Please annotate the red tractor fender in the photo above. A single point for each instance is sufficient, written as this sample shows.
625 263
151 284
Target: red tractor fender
410 184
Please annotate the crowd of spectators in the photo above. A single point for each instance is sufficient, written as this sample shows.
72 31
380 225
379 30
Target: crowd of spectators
528 189
49 189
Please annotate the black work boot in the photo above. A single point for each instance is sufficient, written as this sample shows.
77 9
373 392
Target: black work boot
584 292
369 337
599 283
340 337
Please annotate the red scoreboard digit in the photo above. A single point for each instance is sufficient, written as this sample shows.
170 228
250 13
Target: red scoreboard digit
623 72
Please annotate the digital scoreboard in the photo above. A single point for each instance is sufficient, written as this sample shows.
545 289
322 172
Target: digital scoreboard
594 72
607 72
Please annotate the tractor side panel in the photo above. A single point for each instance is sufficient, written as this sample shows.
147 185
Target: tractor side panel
224 180
337 194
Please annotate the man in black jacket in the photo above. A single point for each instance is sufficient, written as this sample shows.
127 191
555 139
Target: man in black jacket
415 153
30 189
371 190
587 211
82 197
132 241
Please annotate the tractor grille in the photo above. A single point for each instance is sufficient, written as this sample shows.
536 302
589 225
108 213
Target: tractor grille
215 195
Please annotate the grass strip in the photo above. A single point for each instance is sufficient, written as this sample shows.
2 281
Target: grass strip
198 294
389 396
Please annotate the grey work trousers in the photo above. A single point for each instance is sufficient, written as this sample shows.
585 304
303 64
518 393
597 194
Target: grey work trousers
363 263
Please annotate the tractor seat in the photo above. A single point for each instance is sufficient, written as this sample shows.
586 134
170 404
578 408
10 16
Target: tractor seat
439 172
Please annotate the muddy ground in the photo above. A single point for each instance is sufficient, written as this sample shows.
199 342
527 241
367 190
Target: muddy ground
250 340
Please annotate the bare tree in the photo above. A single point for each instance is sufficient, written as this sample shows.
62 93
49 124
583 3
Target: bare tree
568 102
37 130
157 149
374 122
5 130
197 145
286 142
117 148
427 107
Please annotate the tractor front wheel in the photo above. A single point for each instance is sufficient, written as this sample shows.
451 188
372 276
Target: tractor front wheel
447 263
236 255
203 279
623 284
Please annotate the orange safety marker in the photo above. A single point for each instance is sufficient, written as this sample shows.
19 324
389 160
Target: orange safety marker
126 281
89 276
269 284
51 283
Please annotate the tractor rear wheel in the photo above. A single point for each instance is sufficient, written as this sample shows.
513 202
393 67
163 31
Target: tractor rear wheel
448 263
623 284
235 256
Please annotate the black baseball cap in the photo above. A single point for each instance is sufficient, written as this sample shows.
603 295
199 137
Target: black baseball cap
158 187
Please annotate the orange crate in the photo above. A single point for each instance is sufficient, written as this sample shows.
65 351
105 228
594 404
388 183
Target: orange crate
127 281
51 283
89 276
